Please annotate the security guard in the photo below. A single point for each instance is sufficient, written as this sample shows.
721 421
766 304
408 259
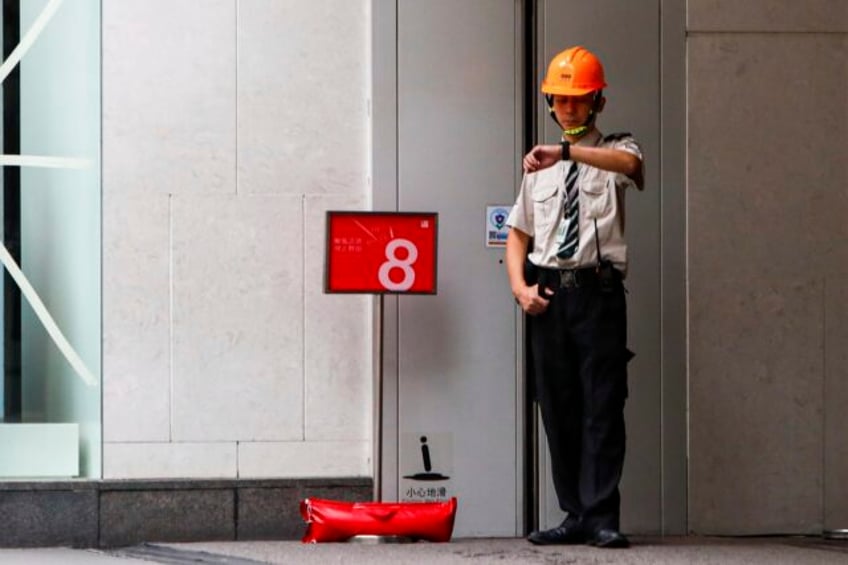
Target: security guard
571 206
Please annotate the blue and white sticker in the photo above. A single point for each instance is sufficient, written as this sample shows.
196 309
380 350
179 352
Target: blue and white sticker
496 228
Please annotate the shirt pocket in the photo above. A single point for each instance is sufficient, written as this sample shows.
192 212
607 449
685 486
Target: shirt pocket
596 197
546 205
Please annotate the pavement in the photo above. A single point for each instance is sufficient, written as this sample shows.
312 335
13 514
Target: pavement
687 550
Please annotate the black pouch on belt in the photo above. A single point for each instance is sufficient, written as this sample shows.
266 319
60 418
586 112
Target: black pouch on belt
607 276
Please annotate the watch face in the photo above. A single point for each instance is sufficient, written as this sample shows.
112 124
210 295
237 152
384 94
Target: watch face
381 252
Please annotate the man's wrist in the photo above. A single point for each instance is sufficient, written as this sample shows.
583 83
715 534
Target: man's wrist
517 291
566 150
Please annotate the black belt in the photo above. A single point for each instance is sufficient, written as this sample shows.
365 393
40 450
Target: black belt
574 278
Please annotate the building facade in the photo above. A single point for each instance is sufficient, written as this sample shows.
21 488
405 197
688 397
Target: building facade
229 385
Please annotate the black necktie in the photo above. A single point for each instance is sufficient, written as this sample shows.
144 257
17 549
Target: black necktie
572 203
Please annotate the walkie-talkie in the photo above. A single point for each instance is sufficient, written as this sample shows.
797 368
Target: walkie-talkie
606 276
604 270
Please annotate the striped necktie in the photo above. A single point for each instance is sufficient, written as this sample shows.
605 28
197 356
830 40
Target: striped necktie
570 215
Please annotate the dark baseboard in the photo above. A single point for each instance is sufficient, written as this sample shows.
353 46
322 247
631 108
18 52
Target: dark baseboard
127 512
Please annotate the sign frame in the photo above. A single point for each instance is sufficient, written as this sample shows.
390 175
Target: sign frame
335 217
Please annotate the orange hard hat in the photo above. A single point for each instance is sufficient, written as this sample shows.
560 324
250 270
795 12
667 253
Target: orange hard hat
574 72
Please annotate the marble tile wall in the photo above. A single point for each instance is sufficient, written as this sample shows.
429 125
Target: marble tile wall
767 201
229 128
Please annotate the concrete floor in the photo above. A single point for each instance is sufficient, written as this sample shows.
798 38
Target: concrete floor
645 551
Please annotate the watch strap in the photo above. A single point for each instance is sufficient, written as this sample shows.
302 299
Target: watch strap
566 150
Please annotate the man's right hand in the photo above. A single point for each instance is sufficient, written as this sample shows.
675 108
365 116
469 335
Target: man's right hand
531 301
542 157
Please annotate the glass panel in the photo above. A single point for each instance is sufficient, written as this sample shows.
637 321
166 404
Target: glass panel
60 312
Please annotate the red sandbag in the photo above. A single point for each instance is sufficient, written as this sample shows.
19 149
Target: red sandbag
331 520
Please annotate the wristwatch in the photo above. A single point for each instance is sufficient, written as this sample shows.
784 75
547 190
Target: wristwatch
566 150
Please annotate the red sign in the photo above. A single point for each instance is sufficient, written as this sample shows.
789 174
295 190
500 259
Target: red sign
381 252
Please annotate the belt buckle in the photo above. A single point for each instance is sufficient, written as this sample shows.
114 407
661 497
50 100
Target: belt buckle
568 278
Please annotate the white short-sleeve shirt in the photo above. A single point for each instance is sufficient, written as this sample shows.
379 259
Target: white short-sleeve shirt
539 209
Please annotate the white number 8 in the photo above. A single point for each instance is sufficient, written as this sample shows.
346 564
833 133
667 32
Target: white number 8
395 263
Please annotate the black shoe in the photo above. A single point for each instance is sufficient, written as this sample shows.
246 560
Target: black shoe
609 539
568 533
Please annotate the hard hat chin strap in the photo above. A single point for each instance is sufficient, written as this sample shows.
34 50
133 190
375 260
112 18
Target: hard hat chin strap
579 131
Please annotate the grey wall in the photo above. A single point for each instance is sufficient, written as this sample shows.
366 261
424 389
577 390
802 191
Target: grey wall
456 350
446 138
229 128
767 257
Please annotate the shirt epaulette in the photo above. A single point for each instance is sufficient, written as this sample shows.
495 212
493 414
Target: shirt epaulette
616 136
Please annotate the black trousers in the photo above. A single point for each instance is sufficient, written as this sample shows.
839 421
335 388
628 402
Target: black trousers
579 353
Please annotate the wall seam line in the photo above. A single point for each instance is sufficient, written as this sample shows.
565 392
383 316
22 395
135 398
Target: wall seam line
303 316
711 32
170 319
236 97
824 408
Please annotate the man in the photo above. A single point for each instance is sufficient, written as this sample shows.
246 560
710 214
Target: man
571 205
